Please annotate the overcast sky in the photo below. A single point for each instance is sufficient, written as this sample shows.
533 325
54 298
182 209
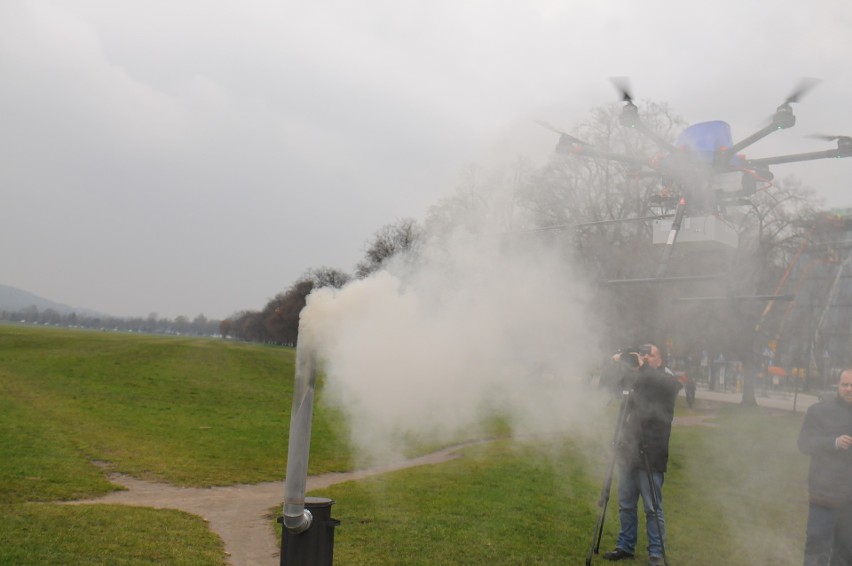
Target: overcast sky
197 156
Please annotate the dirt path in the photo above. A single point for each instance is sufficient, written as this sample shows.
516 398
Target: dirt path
239 514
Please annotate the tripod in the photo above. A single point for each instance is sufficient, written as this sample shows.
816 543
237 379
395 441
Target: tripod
655 500
603 501
595 547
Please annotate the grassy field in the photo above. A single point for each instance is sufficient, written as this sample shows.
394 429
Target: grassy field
75 405
734 495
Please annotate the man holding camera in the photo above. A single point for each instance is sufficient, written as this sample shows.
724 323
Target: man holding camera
826 437
643 452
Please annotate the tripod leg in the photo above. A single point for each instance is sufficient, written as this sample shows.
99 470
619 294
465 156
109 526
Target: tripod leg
603 502
594 548
655 505
596 536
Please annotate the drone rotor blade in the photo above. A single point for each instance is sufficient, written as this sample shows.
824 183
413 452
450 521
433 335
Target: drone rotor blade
622 85
805 85
564 135
572 139
825 137
545 125
783 114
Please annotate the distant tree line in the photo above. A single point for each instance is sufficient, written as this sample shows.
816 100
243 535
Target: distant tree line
152 324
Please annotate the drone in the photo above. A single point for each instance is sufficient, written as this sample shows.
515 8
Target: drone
702 172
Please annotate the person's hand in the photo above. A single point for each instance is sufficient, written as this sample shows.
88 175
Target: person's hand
843 442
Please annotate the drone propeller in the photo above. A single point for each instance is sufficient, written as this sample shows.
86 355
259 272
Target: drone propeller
830 138
783 117
563 135
801 89
844 143
630 113
622 85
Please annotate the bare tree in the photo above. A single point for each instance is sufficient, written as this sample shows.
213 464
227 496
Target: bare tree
278 322
484 201
588 205
599 194
586 201
327 277
248 325
225 327
775 225
391 240
281 314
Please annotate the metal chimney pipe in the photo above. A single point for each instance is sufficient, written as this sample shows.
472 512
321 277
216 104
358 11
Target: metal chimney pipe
297 519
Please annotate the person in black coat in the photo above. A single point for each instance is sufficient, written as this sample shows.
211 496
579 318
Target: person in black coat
826 437
644 446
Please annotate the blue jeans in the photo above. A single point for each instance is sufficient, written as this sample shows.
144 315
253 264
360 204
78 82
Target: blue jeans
829 536
633 483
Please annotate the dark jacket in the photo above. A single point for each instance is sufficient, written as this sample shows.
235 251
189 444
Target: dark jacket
830 473
648 423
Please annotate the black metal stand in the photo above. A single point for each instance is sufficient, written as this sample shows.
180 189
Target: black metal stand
655 501
595 547
314 546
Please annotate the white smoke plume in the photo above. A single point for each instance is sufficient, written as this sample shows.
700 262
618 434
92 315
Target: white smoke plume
429 348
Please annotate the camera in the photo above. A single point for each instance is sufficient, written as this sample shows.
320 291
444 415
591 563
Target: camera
630 356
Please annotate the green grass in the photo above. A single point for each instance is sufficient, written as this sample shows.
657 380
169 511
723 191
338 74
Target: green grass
738 493
75 405
734 495
501 503
38 533
182 410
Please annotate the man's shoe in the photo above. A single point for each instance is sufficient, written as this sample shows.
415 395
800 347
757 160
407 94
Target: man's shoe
655 561
617 554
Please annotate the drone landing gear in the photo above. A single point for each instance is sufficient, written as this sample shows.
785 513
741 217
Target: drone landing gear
670 242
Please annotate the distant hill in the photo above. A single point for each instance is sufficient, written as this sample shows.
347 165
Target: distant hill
13 299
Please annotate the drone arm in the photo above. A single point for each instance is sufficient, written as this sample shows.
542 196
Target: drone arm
800 157
726 155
